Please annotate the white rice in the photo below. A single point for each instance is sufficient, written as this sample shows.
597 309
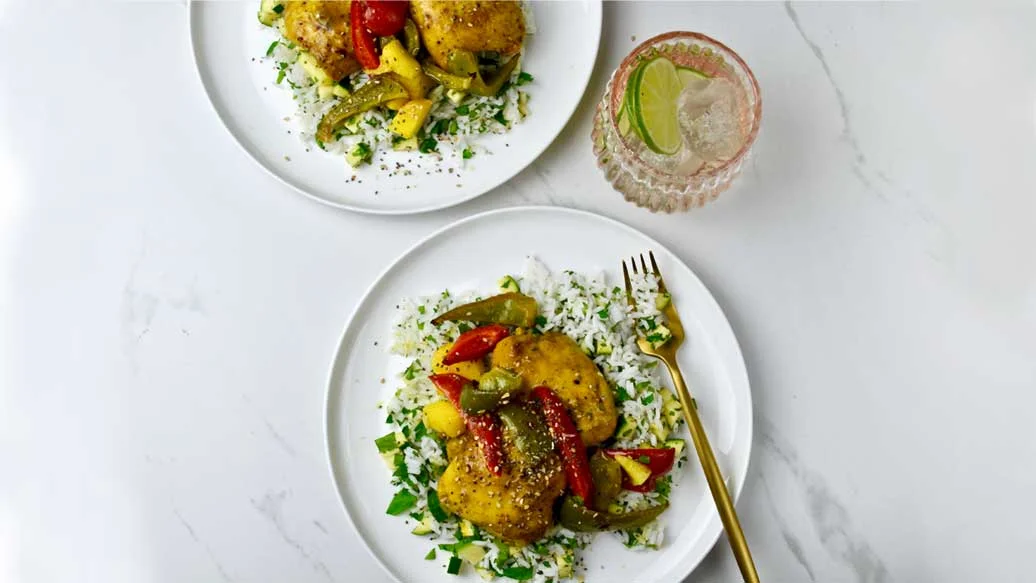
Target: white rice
596 315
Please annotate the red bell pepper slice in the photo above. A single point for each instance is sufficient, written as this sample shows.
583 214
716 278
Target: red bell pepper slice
658 460
385 17
363 41
573 452
484 427
476 343
450 385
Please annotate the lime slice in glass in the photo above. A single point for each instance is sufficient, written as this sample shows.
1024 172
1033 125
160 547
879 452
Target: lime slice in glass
655 93
687 74
627 98
623 121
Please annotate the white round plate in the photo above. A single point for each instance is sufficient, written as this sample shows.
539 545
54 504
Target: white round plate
473 254
226 37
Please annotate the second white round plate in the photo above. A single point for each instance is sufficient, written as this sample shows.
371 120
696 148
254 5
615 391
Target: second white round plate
472 254
228 40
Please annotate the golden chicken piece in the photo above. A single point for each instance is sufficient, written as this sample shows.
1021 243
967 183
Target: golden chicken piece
321 28
470 25
556 361
517 506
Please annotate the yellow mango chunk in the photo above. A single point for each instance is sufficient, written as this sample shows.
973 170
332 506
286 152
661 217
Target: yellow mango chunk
411 117
442 417
471 369
404 67
638 472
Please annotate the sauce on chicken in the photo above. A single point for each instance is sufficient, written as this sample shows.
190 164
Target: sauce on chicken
470 25
322 29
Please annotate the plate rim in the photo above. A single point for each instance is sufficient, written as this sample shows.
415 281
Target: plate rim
741 476
598 15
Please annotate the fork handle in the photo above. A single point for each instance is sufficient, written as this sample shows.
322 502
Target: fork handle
714 477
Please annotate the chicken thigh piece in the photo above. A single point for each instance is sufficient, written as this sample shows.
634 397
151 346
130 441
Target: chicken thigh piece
517 506
556 361
469 25
321 28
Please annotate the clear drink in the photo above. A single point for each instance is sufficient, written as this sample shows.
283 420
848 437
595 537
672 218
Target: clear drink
677 121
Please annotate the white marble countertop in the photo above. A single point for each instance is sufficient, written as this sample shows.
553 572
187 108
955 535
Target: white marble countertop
168 311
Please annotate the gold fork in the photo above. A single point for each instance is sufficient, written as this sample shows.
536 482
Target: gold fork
667 354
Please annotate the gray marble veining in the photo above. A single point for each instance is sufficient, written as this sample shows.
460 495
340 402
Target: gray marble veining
830 521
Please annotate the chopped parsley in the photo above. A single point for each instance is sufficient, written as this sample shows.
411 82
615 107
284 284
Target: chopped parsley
412 371
463 110
523 78
499 117
386 443
423 477
664 485
278 8
439 127
631 539
400 473
647 399
467 154
622 394
434 507
401 502
503 554
428 145
280 77
273 45
430 556
518 573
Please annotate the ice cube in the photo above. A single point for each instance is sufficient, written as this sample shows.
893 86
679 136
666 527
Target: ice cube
708 119
682 163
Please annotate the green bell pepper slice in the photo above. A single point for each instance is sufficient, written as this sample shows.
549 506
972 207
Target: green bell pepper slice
528 431
510 309
375 92
574 515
